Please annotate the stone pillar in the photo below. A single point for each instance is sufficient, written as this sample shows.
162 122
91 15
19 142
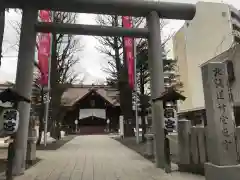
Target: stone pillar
194 145
31 143
221 141
201 144
184 130
149 145
24 80
157 85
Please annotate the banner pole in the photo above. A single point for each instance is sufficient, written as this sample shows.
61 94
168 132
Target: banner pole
48 93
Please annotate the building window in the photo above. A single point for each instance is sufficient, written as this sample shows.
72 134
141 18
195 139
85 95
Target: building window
224 14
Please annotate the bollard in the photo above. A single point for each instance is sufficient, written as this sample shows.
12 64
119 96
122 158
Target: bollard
194 146
184 130
201 145
31 150
167 153
9 169
31 145
149 145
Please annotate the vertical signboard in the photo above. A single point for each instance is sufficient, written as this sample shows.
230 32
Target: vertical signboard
219 111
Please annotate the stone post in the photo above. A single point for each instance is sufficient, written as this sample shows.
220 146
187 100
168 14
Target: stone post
184 130
157 86
149 145
24 80
221 141
31 144
194 145
201 144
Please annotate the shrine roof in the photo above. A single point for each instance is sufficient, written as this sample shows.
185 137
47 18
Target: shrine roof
74 94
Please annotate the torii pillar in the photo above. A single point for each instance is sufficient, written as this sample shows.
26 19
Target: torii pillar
157 85
24 80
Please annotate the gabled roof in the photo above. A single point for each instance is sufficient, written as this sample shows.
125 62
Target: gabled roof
76 93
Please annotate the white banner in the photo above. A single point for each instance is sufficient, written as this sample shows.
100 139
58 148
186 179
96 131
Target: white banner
100 113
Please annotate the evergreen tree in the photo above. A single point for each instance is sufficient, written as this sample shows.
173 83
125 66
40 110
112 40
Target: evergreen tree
171 78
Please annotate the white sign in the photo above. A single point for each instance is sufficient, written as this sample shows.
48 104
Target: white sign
121 125
100 113
10 119
170 119
76 122
46 98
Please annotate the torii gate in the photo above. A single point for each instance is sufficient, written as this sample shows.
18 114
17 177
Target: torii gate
151 9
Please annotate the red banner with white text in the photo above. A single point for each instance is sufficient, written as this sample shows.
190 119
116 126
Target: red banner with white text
129 53
44 43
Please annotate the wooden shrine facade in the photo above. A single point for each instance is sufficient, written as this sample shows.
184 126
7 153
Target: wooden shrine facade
101 105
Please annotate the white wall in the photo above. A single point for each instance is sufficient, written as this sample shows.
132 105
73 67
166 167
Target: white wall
206 36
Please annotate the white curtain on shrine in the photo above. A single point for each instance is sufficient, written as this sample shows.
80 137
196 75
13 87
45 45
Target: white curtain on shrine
100 113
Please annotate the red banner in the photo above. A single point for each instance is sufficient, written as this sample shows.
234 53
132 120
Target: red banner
128 47
44 48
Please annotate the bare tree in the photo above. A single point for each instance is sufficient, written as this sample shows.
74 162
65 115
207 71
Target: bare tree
65 49
112 47
117 68
171 78
64 56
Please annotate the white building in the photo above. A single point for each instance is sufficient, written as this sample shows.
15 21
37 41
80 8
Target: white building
213 30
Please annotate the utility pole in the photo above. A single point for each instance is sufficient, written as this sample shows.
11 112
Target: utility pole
135 86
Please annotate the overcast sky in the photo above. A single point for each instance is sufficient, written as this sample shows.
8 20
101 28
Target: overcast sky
92 62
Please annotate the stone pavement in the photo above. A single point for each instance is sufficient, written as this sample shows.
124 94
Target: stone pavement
97 158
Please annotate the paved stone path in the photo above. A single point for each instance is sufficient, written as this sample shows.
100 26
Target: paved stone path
97 158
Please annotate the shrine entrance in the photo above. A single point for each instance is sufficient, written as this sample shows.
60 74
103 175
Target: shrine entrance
151 9
94 110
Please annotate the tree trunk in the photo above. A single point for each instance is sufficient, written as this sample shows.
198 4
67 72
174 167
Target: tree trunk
117 49
126 100
143 109
2 22
41 120
40 130
126 108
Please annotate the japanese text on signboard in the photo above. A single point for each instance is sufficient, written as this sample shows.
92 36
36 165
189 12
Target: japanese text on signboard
222 101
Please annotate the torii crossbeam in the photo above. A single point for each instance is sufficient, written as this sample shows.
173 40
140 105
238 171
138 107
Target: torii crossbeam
140 8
